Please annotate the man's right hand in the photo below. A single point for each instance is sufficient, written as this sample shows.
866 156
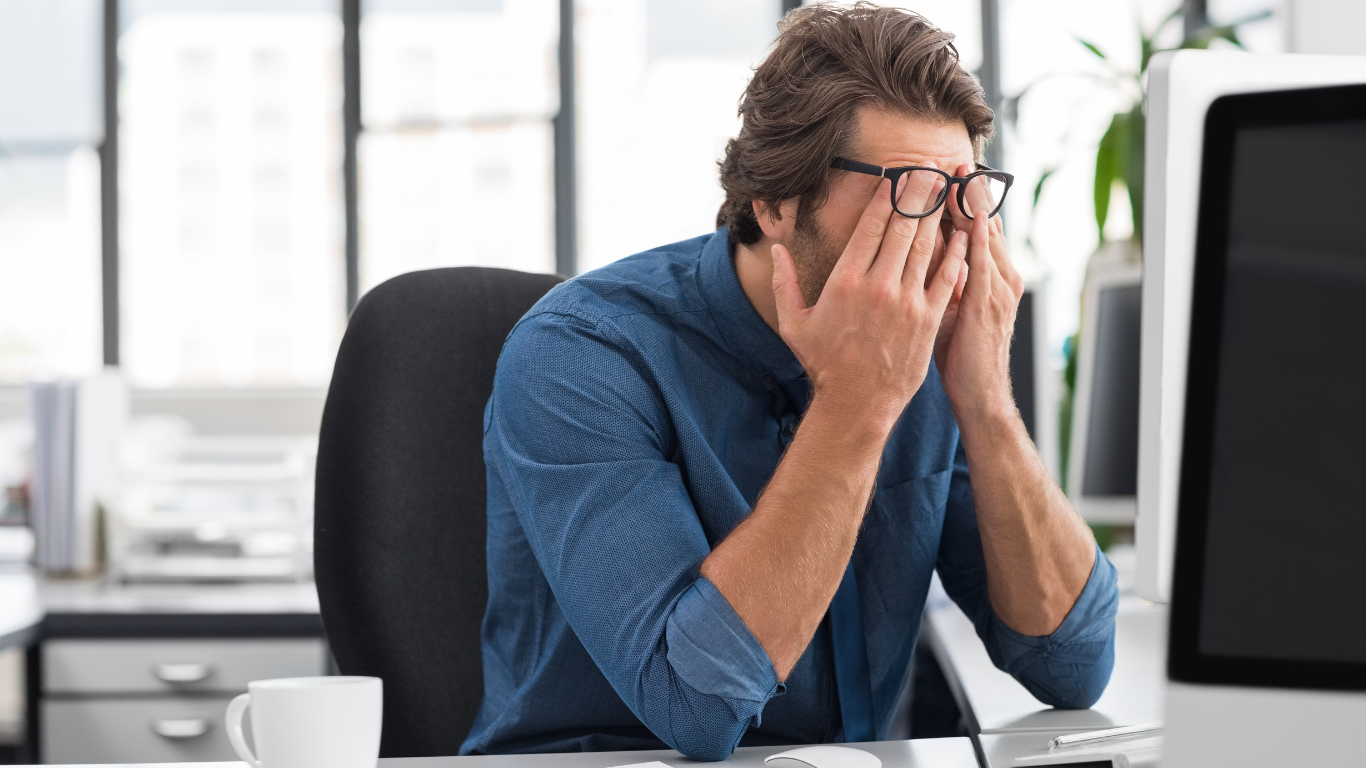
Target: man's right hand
867 342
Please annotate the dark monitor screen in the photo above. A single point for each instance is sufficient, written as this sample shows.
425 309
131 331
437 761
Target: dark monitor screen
1022 363
1272 526
1285 561
1111 467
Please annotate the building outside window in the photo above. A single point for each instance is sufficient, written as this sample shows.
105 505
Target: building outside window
232 230
457 156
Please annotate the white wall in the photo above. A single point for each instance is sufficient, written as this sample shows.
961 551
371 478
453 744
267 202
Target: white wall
1328 26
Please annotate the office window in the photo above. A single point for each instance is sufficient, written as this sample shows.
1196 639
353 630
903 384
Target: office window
230 192
658 84
50 125
456 158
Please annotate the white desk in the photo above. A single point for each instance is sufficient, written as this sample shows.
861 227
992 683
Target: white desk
994 703
77 605
921 753
21 611
1000 750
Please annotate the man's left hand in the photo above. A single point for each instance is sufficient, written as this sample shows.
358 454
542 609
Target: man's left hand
972 350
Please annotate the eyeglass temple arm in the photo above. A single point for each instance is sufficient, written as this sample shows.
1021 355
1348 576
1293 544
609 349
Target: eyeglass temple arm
845 164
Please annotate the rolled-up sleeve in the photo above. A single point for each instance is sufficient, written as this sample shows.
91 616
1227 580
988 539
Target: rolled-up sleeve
1068 668
579 435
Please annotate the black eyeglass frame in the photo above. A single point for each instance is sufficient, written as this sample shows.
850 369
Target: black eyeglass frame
845 164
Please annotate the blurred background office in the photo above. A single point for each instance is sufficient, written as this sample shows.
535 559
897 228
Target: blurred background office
195 193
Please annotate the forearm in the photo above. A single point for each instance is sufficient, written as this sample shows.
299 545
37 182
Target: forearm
780 568
1039 553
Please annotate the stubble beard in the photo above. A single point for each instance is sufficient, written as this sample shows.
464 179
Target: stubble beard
814 255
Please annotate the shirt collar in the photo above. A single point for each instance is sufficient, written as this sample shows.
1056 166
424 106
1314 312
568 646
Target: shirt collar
742 329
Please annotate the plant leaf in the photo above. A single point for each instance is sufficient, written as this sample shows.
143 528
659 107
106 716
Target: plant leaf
1038 188
1109 166
1092 48
1133 168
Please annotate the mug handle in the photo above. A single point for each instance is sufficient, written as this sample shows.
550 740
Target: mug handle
236 708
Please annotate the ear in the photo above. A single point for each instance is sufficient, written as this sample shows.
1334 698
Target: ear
778 223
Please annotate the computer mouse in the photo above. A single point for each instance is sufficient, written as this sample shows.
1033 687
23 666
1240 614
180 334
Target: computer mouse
823 757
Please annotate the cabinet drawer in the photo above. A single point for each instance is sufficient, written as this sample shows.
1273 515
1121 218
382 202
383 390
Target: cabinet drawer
149 666
126 731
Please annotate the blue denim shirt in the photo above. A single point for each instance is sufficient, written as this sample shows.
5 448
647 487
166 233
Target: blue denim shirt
636 416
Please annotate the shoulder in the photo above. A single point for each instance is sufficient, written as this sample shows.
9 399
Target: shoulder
658 281
606 303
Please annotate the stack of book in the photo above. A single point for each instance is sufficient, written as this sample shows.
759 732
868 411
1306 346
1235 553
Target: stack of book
76 425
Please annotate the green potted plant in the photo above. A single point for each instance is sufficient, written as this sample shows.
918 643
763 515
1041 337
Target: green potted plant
1119 162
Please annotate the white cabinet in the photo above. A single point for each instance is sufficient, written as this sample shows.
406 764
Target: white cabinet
147 700
175 666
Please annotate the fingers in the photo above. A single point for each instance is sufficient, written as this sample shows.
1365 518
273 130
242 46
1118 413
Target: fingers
978 286
946 279
915 190
960 219
941 244
978 197
922 247
867 239
787 292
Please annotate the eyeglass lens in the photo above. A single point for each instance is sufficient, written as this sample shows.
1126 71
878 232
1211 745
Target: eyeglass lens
914 194
985 191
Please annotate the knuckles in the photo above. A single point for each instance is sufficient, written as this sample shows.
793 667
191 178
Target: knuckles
872 227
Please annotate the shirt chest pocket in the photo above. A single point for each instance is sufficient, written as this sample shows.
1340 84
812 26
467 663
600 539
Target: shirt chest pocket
900 539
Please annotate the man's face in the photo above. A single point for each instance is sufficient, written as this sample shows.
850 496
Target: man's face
882 138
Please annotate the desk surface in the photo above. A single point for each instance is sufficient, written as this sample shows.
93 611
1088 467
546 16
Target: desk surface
93 606
921 753
1000 750
100 596
20 609
998 704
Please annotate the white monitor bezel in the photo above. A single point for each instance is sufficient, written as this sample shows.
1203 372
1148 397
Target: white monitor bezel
1181 86
1094 509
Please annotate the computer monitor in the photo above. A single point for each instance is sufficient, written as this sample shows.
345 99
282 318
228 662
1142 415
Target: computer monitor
1267 653
1181 86
1031 376
1102 467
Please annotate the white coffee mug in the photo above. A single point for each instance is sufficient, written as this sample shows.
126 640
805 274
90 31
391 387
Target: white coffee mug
310 722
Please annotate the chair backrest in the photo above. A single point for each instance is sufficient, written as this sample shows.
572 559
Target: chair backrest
400 523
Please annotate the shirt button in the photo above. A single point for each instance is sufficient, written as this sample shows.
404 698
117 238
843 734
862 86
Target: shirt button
790 430
768 379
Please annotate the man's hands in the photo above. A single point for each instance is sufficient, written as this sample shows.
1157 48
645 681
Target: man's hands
900 291
972 349
866 344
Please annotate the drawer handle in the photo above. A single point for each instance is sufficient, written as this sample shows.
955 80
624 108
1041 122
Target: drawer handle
182 673
180 729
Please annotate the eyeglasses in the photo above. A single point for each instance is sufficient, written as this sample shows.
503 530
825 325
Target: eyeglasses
908 178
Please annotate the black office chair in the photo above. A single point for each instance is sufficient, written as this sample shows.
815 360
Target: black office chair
400 525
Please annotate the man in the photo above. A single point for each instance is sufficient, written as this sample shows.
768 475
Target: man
721 473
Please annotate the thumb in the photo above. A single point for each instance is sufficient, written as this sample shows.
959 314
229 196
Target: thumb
787 293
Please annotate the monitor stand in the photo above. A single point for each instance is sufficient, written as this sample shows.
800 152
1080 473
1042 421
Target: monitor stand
1216 725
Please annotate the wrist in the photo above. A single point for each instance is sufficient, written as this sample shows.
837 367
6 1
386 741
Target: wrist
994 414
867 420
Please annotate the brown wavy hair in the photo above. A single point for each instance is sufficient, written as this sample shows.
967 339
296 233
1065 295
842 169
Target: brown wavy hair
797 113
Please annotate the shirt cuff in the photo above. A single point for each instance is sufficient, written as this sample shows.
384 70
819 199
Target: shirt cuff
712 650
1071 666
